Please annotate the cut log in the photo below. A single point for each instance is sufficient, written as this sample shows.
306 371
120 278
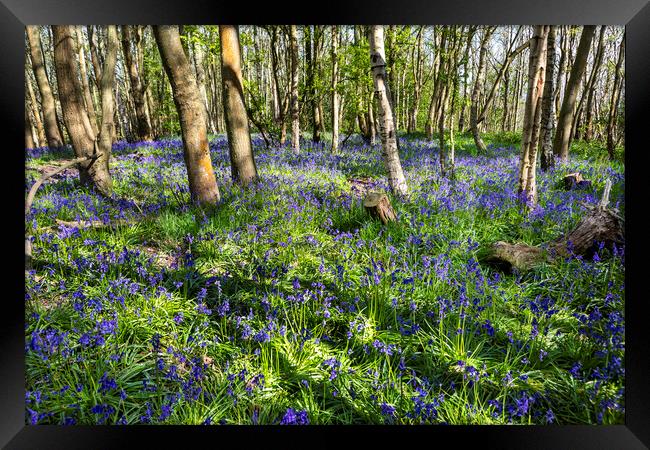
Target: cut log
600 225
575 180
379 207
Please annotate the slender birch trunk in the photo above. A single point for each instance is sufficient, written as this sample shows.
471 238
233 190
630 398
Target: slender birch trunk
548 116
614 100
532 115
387 130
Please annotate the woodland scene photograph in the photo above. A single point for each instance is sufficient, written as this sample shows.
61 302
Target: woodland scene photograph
324 224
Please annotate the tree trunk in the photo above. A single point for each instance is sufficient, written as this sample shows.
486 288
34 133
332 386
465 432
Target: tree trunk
242 162
94 57
371 119
563 133
476 92
107 86
517 94
417 64
532 115
200 79
311 89
589 117
335 94
548 116
137 88
42 140
559 86
295 118
93 173
52 132
432 118
29 137
613 103
504 117
88 97
275 66
387 130
461 119
214 96
202 181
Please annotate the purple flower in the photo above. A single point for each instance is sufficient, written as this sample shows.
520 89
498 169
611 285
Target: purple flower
106 384
292 417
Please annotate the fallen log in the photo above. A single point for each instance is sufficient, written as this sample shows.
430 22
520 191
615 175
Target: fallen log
379 207
600 225
81 224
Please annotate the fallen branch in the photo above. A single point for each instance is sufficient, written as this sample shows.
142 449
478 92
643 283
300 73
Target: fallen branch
45 176
32 195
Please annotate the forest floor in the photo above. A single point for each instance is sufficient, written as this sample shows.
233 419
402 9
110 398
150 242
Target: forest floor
289 304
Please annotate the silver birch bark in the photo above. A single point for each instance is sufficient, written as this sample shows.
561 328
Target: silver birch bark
387 130
548 115
532 115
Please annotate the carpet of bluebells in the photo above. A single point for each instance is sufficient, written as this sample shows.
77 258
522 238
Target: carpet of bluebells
288 304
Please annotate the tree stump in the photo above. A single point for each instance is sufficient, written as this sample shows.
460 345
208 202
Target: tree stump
600 224
379 207
575 180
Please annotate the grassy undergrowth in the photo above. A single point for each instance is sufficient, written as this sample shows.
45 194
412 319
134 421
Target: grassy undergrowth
287 304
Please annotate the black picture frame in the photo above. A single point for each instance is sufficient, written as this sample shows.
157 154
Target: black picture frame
634 14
